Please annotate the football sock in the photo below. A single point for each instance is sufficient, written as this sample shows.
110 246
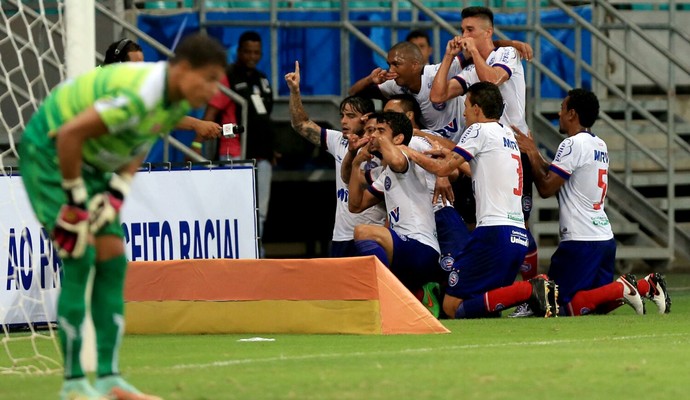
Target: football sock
371 248
495 300
72 309
505 297
530 265
528 269
602 300
107 307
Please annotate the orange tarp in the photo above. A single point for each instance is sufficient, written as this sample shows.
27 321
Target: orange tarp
334 295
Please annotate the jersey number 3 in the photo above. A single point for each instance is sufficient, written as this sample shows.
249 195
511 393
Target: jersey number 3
518 190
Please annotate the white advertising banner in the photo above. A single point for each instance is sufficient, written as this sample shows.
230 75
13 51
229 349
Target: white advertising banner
190 214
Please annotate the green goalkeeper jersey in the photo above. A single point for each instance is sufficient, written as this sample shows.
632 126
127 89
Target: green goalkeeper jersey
131 99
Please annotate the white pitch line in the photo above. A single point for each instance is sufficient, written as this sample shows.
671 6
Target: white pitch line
227 363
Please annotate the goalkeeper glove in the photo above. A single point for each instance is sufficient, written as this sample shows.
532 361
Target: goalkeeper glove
104 207
71 232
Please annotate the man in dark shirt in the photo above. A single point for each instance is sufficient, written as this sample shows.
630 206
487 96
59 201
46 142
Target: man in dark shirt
253 85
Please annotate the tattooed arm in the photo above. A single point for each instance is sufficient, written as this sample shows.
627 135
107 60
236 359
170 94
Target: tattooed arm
301 123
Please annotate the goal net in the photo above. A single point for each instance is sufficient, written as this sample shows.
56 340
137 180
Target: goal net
32 62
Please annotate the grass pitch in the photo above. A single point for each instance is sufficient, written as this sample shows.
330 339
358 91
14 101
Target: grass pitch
615 356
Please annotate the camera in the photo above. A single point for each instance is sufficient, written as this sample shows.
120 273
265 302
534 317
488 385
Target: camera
231 130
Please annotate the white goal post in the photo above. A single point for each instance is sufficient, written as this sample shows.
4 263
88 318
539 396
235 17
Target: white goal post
42 42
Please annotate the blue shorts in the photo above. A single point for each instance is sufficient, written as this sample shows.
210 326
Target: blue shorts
452 235
343 248
490 260
414 263
578 265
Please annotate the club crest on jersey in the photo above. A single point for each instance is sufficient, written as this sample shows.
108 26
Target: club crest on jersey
447 262
387 183
526 203
453 279
369 165
564 149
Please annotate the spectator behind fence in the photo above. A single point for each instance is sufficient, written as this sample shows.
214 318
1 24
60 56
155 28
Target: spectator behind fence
243 78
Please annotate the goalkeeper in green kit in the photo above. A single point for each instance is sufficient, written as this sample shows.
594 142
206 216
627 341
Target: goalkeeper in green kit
77 157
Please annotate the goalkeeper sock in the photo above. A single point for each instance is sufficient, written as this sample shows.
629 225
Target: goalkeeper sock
107 305
72 309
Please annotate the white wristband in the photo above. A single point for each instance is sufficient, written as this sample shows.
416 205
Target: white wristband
75 189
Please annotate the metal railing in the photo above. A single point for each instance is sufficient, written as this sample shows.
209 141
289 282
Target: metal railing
606 18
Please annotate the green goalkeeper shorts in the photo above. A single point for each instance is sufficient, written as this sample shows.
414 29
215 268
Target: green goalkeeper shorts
42 179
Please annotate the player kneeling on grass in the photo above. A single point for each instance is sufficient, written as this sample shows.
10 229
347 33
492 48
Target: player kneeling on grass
77 157
480 283
408 246
583 264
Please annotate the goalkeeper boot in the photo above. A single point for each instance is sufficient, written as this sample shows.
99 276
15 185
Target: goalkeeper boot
432 291
115 387
630 294
658 292
79 389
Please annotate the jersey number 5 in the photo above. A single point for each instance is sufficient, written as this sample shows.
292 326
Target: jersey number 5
518 190
603 185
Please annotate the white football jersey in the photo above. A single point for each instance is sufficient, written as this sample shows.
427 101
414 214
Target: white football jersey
446 119
494 158
583 161
422 144
344 227
408 203
512 90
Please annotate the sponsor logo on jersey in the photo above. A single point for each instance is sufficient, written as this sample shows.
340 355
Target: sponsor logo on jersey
518 237
448 130
343 195
394 215
387 183
600 221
